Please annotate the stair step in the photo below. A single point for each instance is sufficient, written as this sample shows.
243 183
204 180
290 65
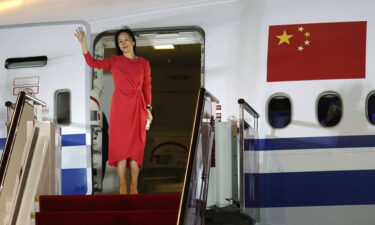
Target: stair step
52 203
135 217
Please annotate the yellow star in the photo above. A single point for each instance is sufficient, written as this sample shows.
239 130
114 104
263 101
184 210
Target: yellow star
307 42
307 34
284 38
300 48
300 29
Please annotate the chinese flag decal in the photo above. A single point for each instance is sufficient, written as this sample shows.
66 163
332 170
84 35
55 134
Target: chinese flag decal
317 51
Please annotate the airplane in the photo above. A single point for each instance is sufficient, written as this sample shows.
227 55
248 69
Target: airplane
298 148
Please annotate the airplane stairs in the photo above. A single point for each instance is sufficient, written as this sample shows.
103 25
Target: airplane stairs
30 154
187 208
141 209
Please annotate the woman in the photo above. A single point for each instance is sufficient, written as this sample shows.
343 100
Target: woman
130 105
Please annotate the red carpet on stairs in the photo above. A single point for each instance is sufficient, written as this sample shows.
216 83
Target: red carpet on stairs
141 209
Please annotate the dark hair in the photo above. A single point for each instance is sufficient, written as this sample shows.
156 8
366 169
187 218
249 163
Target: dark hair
131 34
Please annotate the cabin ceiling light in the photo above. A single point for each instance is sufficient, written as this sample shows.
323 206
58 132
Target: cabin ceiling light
168 35
162 47
9 4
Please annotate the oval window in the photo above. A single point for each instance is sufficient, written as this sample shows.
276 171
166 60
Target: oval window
371 107
62 107
279 111
329 109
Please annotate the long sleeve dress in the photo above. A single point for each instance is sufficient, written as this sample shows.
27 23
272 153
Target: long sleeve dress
132 92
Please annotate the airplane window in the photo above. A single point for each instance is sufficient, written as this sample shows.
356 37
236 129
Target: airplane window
26 62
371 107
329 109
279 111
62 107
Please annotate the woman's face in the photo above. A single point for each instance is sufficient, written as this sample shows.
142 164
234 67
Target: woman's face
125 43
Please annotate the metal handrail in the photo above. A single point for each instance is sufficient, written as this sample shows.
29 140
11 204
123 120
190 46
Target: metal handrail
248 108
28 97
244 106
35 101
10 106
16 118
202 95
11 136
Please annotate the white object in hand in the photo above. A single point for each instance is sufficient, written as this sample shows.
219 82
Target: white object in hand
148 125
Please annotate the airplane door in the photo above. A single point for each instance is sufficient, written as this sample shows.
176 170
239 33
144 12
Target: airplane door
46 59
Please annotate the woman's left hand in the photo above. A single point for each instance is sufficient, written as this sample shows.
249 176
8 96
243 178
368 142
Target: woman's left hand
149 117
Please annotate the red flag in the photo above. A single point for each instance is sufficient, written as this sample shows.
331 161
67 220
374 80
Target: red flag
317 51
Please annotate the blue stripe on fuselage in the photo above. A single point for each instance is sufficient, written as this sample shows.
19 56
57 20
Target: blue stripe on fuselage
67 140
2 143
73 139
323 188
269 144
74 181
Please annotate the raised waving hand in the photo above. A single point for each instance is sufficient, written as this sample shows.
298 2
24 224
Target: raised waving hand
81 36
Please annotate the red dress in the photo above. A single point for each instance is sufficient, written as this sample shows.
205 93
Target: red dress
127 128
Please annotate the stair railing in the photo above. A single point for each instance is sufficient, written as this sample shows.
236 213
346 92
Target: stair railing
10 109
29 162
195 189
22 100
246 131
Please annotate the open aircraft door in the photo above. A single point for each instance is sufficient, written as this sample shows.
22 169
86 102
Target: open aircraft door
45 59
